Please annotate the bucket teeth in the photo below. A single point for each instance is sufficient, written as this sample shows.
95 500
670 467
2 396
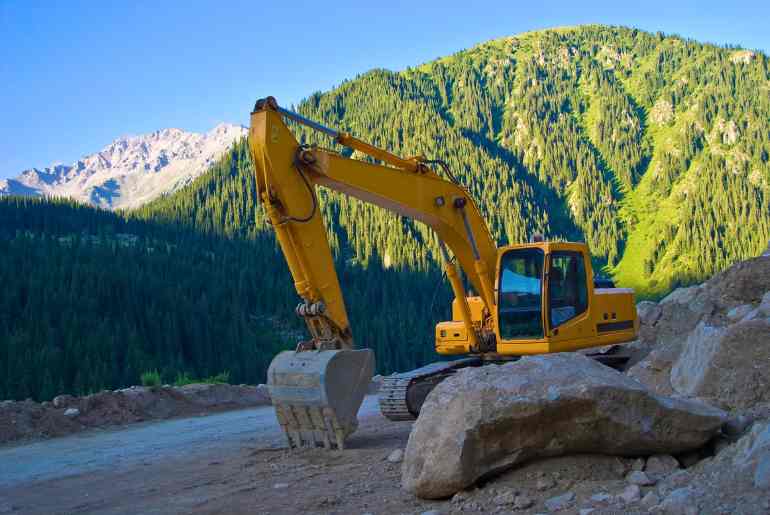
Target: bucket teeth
307 426
317 394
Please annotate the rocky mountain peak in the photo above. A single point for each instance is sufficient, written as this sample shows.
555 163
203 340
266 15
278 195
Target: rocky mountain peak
131 170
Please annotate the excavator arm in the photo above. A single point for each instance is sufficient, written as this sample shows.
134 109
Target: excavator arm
287 174
318 388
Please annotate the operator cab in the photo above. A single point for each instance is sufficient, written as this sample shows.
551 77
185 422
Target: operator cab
521 281
548 300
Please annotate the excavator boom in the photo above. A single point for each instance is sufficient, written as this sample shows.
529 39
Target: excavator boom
317 389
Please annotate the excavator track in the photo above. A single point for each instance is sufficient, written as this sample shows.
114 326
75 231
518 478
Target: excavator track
401 395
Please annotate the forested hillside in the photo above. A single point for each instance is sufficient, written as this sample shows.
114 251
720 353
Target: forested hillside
652 149
91 299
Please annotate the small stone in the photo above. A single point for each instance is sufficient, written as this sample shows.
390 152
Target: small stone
545 483
602 498
522 502
396 456
676 480
431 512
638 464
630 494
586 511
679 501
560 502
661 464
639 478
460 497
71 412
263 390
650 500
505 498
739 312
62 400
280 486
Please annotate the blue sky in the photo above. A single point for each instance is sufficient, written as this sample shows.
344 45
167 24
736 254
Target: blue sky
75 75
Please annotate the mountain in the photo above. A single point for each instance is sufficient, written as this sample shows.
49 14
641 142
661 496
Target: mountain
651 148
131 170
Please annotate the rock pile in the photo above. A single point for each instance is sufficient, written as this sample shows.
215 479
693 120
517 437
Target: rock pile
690 417
711 341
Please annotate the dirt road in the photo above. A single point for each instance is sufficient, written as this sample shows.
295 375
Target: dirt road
233 462
237 462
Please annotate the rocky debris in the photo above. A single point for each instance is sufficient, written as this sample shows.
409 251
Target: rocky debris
67 414
697 318
735 480
661 464
650 499
602 498
61 401
396 456
523 502
729 366
753 453
560 502
631 494
484 420
739 312
280 486
505 497
662 112
639 478
681 501
545 483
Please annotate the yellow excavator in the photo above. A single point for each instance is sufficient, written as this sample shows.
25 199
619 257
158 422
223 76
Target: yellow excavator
534 298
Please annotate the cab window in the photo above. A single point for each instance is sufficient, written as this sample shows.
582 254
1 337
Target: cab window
567 290
520 297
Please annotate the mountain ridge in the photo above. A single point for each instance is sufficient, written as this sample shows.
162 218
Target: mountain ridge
131 170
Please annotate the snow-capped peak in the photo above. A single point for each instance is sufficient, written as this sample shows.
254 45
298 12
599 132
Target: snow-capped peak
131 170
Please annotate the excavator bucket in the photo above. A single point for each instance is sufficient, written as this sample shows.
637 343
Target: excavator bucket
316 394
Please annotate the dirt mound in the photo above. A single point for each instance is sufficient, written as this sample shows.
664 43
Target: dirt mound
67 414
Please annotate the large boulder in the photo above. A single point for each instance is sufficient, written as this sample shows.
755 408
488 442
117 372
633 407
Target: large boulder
483 420
727 366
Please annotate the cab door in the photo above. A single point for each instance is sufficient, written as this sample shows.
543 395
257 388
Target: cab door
567 317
